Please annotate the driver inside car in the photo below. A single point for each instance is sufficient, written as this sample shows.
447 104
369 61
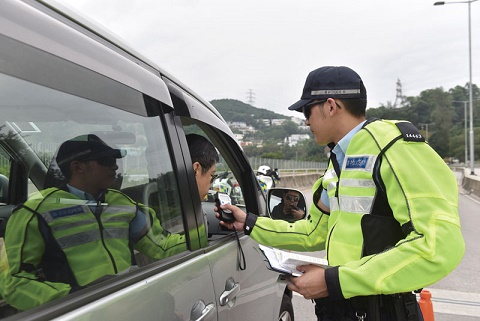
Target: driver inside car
288 208
65 238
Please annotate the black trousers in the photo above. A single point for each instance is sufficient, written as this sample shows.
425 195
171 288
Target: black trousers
397 307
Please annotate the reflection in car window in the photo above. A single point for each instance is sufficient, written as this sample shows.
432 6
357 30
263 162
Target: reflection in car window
4 175
33 131
227 183
34 125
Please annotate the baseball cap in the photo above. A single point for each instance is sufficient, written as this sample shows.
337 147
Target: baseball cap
330 82
86 147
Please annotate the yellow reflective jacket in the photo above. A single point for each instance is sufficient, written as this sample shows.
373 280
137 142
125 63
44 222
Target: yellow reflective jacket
93 244
422 197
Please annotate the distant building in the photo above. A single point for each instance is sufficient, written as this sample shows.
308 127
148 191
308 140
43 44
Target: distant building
273 122
295 138
304 128
243 144
278 122
241 127
237 124
298 121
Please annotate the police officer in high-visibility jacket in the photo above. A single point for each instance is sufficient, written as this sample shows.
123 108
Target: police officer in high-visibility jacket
63 239
385 210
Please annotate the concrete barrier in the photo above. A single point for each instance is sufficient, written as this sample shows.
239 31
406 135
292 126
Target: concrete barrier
470 183
299 181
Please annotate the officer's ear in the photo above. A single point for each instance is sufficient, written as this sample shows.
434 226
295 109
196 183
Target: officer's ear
77 166
330 105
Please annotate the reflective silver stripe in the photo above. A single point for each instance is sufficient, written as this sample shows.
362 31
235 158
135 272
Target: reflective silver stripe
92 236
356 204
354 182
119 209
79 238
333 204
330 177
70 225
116 233
335 92
71 201
331 185
329 174
119 218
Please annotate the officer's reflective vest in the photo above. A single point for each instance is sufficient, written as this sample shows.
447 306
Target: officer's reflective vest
87 236
94 241
361 221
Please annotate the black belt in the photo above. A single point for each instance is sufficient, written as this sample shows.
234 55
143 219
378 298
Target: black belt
395 307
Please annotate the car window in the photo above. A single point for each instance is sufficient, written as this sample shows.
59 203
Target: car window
4 176
37 119
225 182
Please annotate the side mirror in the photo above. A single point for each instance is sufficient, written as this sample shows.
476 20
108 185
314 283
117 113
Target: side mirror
286 204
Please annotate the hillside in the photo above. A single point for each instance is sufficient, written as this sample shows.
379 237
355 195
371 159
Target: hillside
235 110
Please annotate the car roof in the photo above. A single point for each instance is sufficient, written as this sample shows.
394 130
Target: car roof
93 31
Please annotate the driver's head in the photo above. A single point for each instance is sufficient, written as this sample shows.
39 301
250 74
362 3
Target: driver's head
204 157
291 198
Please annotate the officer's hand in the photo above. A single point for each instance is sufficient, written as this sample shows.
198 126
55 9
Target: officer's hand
240 217
311 284
298 214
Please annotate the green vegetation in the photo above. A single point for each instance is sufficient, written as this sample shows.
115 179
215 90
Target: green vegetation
439 111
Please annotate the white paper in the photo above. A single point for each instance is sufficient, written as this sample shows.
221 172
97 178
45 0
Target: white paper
286 262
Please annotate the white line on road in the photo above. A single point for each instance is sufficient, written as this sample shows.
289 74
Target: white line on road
455 302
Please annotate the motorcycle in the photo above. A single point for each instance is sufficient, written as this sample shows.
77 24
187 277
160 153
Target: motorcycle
267 177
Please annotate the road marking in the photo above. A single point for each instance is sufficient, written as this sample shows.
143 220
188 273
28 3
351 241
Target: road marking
455 302
452 302
470 197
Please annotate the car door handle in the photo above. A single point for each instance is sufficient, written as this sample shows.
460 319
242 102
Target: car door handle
202 312
230 293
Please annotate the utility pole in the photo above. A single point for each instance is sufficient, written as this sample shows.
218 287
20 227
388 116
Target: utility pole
426 127
250 97
399 97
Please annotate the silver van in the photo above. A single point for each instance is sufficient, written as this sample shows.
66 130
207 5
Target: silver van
60 77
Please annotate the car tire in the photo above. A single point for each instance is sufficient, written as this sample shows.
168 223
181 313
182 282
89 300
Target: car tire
286 309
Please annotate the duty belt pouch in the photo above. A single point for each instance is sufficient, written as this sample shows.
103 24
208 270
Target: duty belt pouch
379 233
395 307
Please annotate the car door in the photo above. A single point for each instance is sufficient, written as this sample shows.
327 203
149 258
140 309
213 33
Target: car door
245 289
49 95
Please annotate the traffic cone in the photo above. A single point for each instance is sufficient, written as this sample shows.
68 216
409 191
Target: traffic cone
426 305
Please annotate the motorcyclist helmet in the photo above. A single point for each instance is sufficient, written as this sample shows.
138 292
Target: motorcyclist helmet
264 170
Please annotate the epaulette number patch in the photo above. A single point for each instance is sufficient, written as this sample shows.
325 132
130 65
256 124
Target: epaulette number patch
409 132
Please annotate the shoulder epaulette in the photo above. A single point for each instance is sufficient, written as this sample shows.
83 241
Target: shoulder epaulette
409 132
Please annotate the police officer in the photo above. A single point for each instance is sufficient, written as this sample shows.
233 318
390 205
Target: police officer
385 210
63 239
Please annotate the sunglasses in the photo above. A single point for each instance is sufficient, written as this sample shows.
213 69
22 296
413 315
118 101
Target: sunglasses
307 109
214 177
292 198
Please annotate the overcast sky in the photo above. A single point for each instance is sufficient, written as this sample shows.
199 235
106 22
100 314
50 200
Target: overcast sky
225 48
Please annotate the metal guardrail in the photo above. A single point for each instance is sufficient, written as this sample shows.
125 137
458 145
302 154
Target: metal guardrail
288 166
